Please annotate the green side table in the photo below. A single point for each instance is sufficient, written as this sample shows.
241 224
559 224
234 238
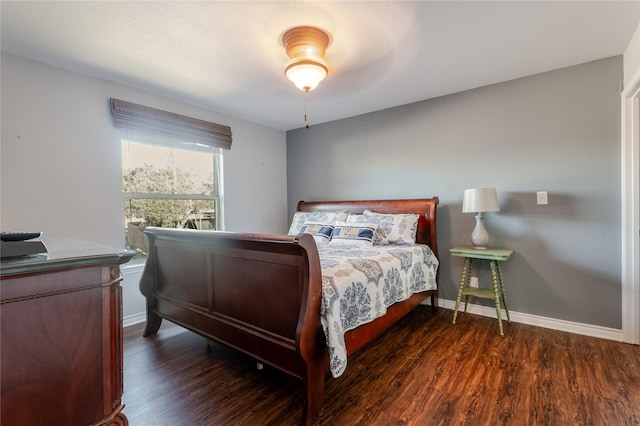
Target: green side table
495 256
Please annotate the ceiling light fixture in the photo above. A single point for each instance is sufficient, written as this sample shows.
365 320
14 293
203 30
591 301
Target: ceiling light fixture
306 47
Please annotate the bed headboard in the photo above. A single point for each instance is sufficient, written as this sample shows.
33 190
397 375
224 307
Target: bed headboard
425 207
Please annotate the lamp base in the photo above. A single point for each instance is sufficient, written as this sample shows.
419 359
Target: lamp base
480 236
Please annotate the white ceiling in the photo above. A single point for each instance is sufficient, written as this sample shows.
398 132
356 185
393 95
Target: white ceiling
227 56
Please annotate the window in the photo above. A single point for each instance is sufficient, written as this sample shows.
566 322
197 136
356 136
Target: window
170 187
171 171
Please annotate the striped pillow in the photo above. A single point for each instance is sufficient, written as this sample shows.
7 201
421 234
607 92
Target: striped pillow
321 231
353 234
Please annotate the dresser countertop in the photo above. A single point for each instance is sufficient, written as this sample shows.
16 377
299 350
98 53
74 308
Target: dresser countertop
64 252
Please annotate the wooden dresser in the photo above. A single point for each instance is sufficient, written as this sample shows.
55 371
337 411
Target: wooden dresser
61 336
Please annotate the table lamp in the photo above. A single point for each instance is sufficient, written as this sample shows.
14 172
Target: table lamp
480 200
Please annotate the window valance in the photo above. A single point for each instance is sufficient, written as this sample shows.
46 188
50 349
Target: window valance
146 120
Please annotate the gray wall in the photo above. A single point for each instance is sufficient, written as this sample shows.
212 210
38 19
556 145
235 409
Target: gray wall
61 157
558 132
61 161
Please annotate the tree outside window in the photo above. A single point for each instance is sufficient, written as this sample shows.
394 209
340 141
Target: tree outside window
168 186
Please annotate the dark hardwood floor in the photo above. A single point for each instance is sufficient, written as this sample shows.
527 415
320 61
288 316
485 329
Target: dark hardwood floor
423 371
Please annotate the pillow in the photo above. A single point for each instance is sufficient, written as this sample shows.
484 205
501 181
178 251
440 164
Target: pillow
358 234
397 229
300 218
321 231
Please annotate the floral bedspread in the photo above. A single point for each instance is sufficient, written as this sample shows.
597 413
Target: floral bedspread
358 284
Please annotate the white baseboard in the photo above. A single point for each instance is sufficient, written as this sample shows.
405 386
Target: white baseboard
134 319
487 311
538 321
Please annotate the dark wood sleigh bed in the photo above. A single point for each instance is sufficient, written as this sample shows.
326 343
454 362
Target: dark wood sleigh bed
221 285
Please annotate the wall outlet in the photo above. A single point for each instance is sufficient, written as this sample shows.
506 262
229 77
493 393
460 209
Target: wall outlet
543 198
474 282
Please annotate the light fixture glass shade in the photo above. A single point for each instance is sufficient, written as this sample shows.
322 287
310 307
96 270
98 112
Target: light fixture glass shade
478 200
306 75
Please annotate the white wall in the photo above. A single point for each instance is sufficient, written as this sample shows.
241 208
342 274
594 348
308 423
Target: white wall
632 58
60 160
630 196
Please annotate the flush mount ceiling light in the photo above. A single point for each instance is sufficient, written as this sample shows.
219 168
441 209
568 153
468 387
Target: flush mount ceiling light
305 47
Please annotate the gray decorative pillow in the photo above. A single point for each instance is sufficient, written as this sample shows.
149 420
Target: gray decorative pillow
300 218
397 229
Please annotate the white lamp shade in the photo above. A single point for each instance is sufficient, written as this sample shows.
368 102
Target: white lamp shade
306 75
478 200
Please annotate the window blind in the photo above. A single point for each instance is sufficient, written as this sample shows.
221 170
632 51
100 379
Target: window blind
151 121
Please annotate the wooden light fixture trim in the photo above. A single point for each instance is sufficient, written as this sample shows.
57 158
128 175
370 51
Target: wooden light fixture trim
305 42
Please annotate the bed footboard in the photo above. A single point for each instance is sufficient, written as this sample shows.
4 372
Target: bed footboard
261 293
257 293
